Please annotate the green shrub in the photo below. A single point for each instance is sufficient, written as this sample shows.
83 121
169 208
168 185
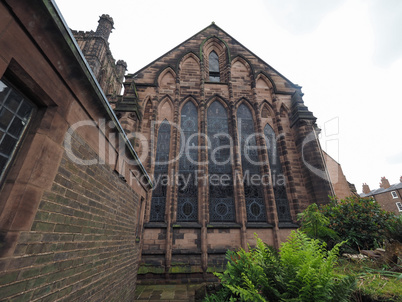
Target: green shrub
360 221
315 224
303 270
395 228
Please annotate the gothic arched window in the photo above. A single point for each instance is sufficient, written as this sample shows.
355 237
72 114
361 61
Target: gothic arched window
252 180
187 202
278 179
213 63
221 203
161 176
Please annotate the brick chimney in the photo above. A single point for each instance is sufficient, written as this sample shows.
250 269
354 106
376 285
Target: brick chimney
384 183
400 179
366 188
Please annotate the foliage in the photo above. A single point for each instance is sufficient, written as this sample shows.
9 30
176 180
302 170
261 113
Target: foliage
246 277
303 270
309 268
395 228
374 283
315 224
360 221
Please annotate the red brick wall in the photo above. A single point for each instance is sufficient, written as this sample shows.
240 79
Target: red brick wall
338 179
68 231
82 244
387 202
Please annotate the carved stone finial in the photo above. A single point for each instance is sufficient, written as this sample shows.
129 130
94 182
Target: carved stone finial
105 26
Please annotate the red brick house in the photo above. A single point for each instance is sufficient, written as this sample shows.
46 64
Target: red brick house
388 196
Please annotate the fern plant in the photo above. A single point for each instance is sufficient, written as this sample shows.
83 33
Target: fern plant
302 271
308 270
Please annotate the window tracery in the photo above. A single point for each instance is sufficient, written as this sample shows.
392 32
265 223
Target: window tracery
252 183
187 202
221 202
278 180
161 177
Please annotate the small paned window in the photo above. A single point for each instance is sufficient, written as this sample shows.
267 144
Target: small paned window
399 206
214 74
394 195
15 114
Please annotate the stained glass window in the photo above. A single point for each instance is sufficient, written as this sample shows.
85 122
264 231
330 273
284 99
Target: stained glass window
252 180
221 202
214 75
187 202
15 113
278 179
161 177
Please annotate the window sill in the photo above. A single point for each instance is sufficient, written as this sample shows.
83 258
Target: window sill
187 225
288 225
259 225
219 83
223 225
155 225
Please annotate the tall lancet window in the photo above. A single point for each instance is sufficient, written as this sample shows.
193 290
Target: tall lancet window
187 203
278 179
161 176
221 203
214 74
252 180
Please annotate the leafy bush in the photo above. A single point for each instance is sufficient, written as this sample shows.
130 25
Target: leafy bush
360 221
315 224
303 270
395 228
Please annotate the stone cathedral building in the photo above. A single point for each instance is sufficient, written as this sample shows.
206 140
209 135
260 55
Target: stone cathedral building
99 189
232 149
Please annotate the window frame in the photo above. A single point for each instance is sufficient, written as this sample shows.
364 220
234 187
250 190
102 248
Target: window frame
245 126
275 165
223 199
187 198
394 195
160 192
214 73
399 206
22 136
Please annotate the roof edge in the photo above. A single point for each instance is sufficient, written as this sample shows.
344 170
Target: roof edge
213 24
65 31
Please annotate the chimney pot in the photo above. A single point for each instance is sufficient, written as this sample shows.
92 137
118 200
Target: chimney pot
366 188
384 183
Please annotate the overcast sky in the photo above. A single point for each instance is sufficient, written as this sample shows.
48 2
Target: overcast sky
346 54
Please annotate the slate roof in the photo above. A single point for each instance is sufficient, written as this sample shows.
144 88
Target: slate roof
382 190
